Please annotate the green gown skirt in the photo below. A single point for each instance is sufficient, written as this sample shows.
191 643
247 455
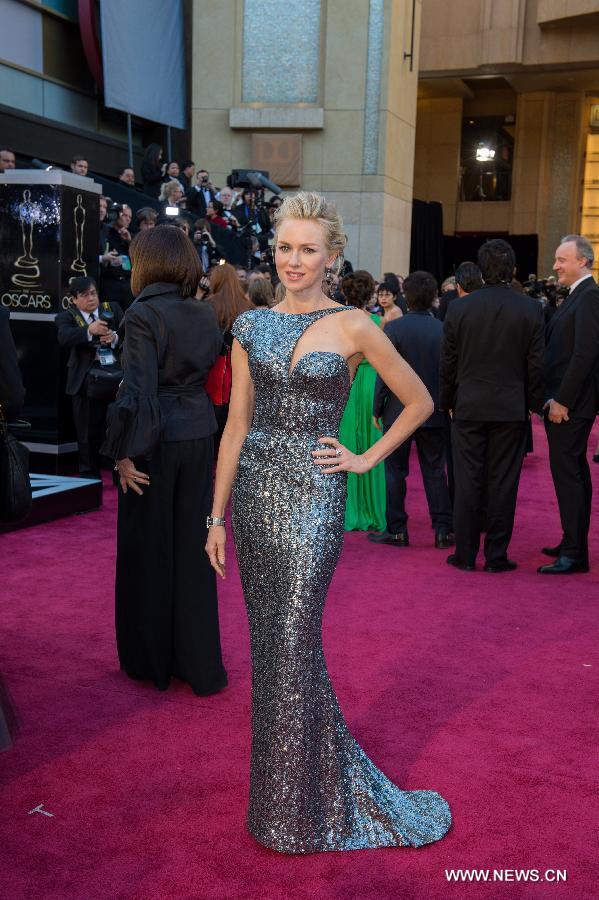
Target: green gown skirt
365 505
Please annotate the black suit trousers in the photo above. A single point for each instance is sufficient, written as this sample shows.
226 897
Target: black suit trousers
431 445
89 417
166 603
487 460
572 481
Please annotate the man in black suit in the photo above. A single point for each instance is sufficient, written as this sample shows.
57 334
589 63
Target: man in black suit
12 392
468 278
94 346
186 174
417 337
491 376
200 195
572 395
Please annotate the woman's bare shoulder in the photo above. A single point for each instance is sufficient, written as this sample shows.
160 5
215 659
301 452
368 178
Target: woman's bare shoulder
356 322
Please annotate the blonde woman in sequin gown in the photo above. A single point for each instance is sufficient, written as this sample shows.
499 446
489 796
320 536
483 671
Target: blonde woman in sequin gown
312 788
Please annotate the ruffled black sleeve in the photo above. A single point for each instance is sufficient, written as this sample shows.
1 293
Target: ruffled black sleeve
135 421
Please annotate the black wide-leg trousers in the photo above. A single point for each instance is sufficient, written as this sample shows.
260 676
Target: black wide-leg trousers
166 602
572 481
487 460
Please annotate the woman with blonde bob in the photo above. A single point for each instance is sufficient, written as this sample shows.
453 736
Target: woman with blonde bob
312 788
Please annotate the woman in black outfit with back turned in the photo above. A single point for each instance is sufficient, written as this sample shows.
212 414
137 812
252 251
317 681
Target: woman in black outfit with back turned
160 434
152 170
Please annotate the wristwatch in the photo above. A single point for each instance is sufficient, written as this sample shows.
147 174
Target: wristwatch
213 520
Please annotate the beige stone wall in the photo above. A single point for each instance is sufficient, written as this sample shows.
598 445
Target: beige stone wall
466 35
437 160
556 11
376 208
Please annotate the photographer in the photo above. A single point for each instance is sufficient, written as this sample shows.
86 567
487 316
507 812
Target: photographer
90 332
116 266
209 252
201 194
249 212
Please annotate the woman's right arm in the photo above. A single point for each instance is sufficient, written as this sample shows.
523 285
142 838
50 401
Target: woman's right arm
239 420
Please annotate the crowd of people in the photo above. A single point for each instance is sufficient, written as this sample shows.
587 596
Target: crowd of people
424 325
413 311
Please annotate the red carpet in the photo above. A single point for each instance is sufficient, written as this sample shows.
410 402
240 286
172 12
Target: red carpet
481 686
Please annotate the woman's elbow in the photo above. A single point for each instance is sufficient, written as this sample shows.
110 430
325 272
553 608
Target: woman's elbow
426 407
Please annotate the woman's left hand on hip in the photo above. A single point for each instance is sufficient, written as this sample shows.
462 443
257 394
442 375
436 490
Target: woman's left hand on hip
336 458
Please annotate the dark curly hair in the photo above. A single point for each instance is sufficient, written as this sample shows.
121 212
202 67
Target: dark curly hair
358 288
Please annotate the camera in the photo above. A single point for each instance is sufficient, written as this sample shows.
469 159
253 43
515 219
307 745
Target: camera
113 211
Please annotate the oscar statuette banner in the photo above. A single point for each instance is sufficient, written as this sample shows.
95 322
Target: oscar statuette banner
29 234
49 234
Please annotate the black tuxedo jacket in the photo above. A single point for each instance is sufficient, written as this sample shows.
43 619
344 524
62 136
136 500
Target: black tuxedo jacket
196 202
12 392
492 356
572 352
73 335
417 337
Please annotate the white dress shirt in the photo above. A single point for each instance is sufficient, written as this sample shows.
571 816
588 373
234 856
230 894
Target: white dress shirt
579 281
89 318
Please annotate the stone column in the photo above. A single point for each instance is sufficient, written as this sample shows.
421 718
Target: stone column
357 133
547 169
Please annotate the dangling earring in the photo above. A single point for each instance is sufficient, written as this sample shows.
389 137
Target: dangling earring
328 276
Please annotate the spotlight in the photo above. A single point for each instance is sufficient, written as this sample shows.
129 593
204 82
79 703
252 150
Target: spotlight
484 153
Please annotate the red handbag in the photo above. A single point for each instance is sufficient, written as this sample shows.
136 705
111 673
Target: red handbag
218 384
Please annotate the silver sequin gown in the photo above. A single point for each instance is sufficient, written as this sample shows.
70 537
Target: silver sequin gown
312 788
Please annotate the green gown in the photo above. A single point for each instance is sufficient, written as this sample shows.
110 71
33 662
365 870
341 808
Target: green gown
365 505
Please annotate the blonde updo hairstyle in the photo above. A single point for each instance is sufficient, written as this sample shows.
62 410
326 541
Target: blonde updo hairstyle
308 205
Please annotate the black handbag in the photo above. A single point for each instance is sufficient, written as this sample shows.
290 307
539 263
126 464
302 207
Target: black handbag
103 382
15 486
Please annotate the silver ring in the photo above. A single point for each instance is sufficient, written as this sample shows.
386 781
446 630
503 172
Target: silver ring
338 452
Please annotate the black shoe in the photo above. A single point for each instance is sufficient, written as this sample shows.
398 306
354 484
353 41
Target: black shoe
444 540
552 551
501 565
595 457
452 560
398 540
564 565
